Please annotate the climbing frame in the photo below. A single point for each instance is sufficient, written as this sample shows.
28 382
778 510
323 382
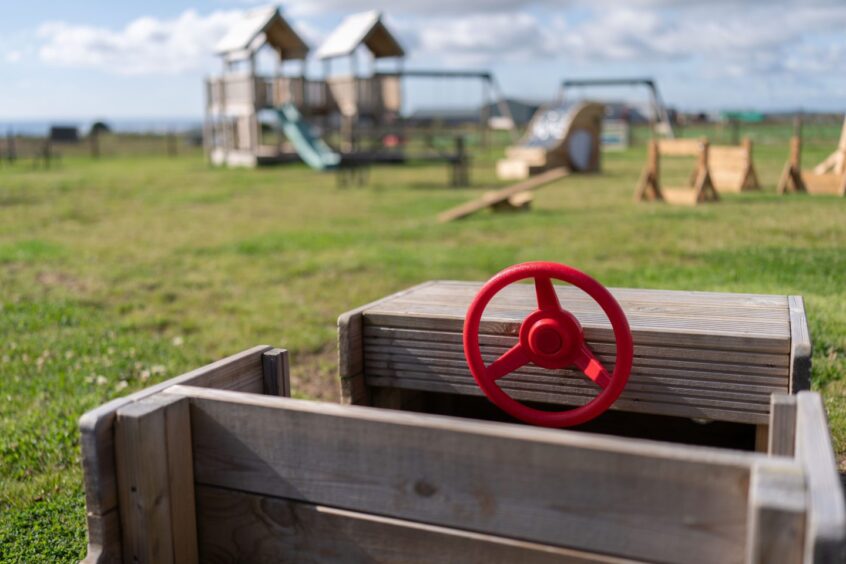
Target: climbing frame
701 188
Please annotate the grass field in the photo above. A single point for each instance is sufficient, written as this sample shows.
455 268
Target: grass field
122 272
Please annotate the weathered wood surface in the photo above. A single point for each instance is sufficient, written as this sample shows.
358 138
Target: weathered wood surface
782 439
242 527
777 513
350 350
800 346
662 502
155 481
703 355
826 525
242 372
502 195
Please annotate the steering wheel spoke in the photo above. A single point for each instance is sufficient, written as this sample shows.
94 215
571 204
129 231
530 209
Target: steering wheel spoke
591 367
511 360
545 291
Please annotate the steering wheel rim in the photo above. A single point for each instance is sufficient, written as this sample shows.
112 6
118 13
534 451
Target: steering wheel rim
550 337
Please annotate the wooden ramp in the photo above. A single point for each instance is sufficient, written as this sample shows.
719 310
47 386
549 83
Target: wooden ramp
493 199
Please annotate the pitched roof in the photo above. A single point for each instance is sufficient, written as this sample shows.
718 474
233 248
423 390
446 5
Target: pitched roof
365 28
264 26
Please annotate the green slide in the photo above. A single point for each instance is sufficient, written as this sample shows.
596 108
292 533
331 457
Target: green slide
312 150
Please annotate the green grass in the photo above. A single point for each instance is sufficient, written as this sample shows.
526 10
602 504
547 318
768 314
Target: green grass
118 273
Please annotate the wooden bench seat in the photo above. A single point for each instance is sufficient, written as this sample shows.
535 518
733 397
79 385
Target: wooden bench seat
698 355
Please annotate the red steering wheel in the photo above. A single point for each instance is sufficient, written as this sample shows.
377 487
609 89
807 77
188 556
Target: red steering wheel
550 337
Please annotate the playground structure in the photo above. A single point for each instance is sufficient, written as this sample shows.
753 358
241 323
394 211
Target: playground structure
660 117
828 177
701 188
214 464
732 168
360 109
565 135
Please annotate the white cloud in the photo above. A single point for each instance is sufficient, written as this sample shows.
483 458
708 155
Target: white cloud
14 56
146 45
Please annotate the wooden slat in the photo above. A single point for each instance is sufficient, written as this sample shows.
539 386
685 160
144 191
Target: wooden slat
651 407
679 147
502 195
242 527
719 370
104 545
508 324
447 340
826 184
685 391
777 515
662 502
782 425
350 359
276 373
242 371
800 346
155 481
826 527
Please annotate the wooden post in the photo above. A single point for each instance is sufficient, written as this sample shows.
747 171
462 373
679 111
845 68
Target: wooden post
276 373
791 176
649 186
776 518
156 481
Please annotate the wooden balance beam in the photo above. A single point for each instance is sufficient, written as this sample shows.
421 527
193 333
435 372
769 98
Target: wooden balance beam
827 178
511 197
702 188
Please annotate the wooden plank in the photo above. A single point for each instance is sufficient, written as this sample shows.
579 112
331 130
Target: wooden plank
664 502
826 527
350 350
777 515
823 184
681 367
242 527
679 147
540 378
155 481
241 371
782 425
532 183
721 413
104 546
570 379
800 346
566 292
447 340
508 324
276 373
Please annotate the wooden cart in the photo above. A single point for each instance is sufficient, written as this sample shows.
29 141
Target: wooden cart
215 466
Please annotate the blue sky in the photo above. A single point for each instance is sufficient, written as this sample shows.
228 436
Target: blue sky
113 60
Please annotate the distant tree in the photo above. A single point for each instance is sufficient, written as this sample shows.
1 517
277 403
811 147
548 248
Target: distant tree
99 127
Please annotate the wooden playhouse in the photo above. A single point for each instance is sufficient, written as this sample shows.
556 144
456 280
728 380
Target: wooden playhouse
714 452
